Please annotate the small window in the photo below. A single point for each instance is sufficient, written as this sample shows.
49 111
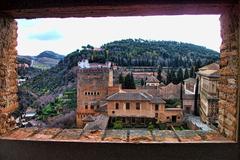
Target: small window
113 112
88 93
127 106
98 93
156 107
98 106
92 106
116 106
86 106
137 106
167 117
91 93
156 115
85 93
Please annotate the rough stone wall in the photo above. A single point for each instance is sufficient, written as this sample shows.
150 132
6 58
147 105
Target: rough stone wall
229 71
8 74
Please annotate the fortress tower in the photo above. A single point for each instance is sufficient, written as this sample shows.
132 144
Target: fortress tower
93 81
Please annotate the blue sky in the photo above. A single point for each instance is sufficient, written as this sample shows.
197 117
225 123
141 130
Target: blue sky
66 35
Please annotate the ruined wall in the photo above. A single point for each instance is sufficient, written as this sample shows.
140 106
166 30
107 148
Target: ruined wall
8 74
229 71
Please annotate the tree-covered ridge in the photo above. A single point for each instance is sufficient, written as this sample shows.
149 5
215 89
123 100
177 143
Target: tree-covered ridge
127 52
138 52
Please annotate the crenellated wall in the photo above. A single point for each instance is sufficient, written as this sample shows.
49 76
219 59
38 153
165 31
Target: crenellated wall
8 74
230 75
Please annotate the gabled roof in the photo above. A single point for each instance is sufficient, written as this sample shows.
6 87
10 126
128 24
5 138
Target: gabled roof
190 80
210 73
212 66
152 79
138 96
157 100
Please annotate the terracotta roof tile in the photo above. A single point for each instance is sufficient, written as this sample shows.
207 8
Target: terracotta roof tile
152 79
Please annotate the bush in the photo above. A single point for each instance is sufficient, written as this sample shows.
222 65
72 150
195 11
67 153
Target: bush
117 125
162 126
150 126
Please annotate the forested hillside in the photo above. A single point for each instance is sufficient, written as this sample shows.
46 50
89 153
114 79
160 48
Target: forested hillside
49 84
164 53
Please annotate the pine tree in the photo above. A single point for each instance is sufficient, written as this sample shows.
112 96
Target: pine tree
186 74
159 75
179 75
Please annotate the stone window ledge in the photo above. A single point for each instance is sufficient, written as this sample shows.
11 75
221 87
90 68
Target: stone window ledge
115 136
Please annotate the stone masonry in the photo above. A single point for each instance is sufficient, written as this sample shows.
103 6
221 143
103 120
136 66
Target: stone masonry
8 74
230 76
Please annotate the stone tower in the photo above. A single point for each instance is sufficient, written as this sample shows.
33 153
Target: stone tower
92 89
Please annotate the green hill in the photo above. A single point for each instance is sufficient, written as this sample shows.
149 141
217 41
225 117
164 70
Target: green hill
54 81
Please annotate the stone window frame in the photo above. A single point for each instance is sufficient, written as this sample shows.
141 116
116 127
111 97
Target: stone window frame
228 25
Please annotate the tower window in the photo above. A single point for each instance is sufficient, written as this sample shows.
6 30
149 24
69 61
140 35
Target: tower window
156 107
86 106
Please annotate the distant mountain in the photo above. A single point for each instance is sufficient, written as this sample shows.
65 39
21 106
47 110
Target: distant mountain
44 60
50 54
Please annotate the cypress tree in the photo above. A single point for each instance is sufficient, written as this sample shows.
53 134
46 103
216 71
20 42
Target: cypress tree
142 82
121 79
159 76
192 72
196 111
173 76
132 83
181 95
127 80
180 75
186 75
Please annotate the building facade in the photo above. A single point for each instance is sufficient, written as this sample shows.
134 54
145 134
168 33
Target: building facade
188 96
209 78
138 107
